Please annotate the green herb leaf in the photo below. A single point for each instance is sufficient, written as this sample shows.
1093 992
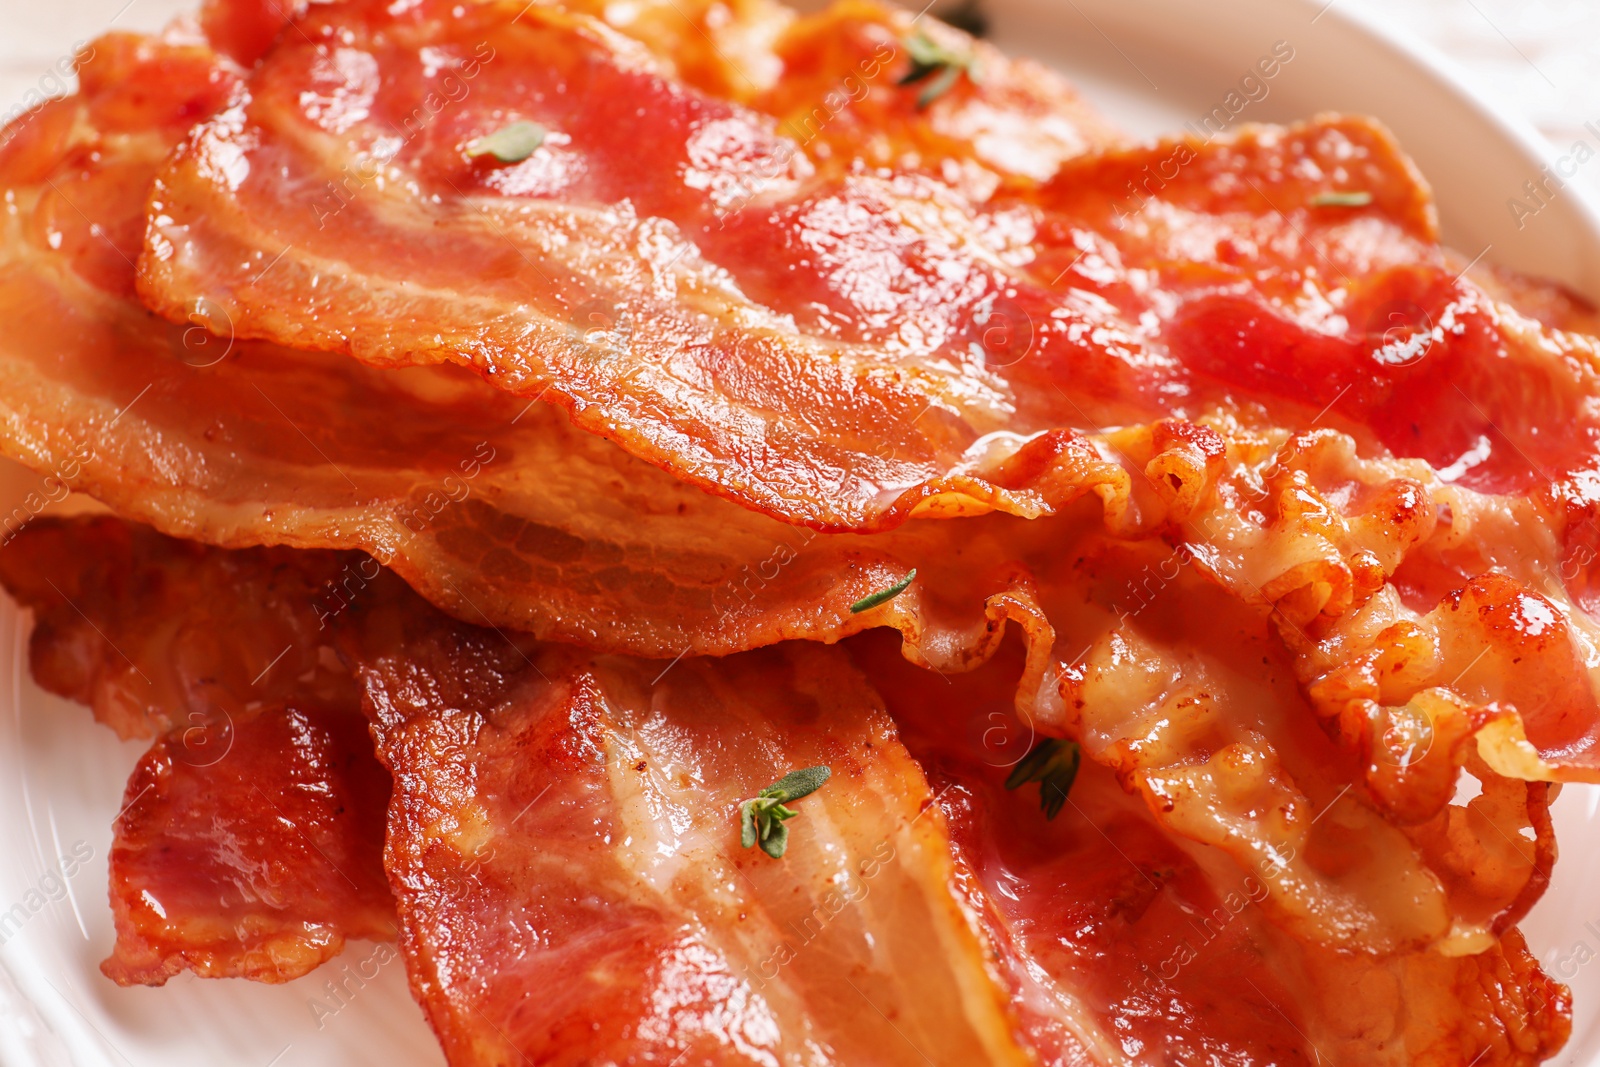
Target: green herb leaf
1053 763
940 85
927 55
761 819
512 144
1353 198
943 64
747 824
882 596
776 841
797 784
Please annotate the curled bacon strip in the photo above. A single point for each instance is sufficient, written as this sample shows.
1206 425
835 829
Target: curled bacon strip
468 717
1105 926
233 442
520 767
250 840
565 846
870 400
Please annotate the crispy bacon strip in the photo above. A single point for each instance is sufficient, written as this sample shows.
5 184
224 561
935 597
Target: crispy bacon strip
595 799
250 840
1135 652
238 443
817 310
519 768
1178 957
124 625
250 849
1355 313
565 845
856 435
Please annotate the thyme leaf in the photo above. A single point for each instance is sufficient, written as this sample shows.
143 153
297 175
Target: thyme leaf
883 596
510 144
762 817
1053 763
1350 198
940 63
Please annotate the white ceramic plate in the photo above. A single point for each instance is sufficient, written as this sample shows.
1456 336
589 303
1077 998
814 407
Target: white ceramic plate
1152 65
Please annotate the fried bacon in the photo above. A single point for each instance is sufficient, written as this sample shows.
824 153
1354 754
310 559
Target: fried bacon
1105 923
1315 608
234 442
250 839
1233 240
428 473
572 825
1304 563
565 846
1354 312
566 822
1190 696
118 627
250 848
238 443
835 348
854 412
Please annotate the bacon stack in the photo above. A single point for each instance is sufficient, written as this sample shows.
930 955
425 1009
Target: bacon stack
552 488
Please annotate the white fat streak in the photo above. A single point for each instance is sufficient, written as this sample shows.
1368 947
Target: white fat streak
681 871
911 831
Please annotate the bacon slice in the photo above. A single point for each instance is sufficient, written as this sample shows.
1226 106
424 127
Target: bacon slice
1106 927
578 795
1354 312
237 443
250 848
565 843
519 765
250 841
1135 652
124 623
819 311
581 210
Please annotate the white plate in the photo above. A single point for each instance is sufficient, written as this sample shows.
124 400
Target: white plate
1152 66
